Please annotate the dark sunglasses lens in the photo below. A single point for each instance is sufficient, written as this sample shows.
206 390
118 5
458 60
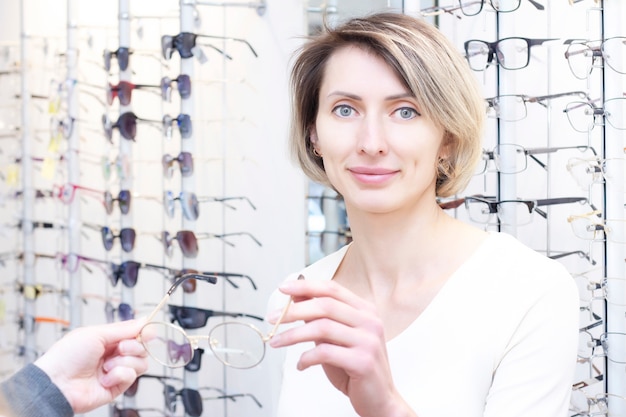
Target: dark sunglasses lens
106 56
124 92
129 271
192 402
114 274
166 46
132 390
194 365
189 285
127 236
185 159
185 42
166 88
189 203
184 86
123 199
107 238
125 312
128 412
127 124
188 317
188 243
122 58
169 392
184 124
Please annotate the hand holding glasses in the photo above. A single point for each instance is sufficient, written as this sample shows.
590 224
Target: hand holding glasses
235 344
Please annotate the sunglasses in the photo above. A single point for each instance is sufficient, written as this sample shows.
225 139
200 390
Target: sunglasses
126 236
132 390
189 286
185 44
183 121
122 54
185 163
192 400
190 203
123 199
195 318
124 312
183 82
123 91
126 123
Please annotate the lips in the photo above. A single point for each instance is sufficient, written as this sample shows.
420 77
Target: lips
372 175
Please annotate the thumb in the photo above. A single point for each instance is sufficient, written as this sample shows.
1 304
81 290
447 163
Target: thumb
122 330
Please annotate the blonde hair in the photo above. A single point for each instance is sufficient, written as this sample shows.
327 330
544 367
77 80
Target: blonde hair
429 66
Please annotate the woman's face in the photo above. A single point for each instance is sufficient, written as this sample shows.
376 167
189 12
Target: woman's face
379 151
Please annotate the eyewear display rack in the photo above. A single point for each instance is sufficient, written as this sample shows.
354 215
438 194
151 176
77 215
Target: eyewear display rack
239 122
535 157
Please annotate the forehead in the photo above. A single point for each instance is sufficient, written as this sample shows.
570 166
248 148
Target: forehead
357 67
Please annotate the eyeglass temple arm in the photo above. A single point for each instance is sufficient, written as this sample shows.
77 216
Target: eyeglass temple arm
540 99
228 275
553 201
207 278
232 39
576 252
282 315
532 151
537 5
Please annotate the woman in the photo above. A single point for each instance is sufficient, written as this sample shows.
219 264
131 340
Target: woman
422 314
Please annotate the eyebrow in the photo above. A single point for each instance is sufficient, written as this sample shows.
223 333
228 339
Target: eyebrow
359 98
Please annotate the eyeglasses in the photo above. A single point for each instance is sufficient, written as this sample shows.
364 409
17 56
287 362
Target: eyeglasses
189 286
190 203
192 400
512 159
583 116
188 241
512 212
121 164
123 91
34 291
134 412
185 44
126 123
607 288
183 121
590 405
588 171
185 163
195 318
581 55
590 226
28 322
169 345
610 343
124 312
472 8
67 192
122 54
512 107
126 236
510 53
183 82
123 199
132 390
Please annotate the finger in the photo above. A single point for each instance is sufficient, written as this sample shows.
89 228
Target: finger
119 379
114 332
327 307
137 363
131 347
318 331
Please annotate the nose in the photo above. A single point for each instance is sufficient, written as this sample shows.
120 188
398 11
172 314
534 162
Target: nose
371 137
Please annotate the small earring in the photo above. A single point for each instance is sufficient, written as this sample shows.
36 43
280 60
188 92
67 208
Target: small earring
316 153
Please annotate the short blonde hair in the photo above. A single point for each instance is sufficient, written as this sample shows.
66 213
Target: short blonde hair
429 66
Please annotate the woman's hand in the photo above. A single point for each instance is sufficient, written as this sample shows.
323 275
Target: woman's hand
92 365
349 342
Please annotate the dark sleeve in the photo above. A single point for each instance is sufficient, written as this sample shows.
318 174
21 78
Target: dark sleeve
31 393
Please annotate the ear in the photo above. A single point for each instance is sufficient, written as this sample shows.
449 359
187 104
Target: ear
444 148
313 138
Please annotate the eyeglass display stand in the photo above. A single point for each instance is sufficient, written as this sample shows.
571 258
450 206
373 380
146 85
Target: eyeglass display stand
125 149
28 243
614 86
187 12
73 168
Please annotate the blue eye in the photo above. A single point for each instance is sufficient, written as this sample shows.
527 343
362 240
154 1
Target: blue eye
343 110
407 113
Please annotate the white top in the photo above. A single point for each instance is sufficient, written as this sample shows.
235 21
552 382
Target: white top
498 340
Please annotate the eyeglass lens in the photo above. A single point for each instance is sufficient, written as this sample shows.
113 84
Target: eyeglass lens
126 236
472 8
508 108
127 271
123 199
185 162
